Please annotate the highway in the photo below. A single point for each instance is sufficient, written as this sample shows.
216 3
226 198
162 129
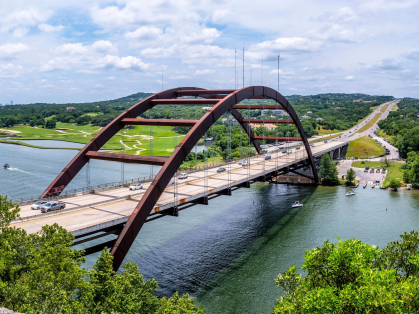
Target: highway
89 211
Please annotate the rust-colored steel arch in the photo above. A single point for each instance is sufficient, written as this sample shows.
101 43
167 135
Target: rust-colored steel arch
222 100
153 193
80 160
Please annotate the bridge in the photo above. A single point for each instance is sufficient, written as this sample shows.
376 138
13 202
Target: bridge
122 212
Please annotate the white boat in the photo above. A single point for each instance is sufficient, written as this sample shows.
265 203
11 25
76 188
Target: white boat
350 193
297 204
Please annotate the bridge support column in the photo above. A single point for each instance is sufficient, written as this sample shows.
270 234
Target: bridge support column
175 211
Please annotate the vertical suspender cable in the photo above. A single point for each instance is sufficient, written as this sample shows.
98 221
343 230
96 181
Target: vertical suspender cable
123 152
151 143
88 175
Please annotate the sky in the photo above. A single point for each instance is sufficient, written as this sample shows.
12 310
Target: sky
79 51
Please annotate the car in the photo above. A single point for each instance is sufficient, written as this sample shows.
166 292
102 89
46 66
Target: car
298 147
136 186
284 151
246 163
183 176
275 144
241 162
267 157
50 206
325 141
312 144
289 151
221 169
367 168
282 143
38 204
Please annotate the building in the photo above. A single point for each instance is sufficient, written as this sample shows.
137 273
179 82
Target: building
11 102
309 112
278 112
264 112
70 108
209 140
206 108
304 117
319 119
268 126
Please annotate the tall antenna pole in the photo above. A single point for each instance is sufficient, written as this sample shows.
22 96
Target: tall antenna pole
278 73
262 71
235 68
243 66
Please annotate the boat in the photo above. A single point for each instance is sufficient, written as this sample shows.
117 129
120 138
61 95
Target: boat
350 193
409 186
297 204
6 166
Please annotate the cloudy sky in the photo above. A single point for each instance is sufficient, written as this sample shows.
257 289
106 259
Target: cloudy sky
76 51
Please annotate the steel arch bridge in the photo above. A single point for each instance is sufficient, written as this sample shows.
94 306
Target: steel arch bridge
222 101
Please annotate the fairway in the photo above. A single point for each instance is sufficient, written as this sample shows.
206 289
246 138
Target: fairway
364 147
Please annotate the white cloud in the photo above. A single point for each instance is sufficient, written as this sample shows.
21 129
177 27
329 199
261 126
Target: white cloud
124 63
349 78
103 46
20 32
377 6
180 77
27 17
72 49
54 65
339 33
50 28
343 15
204 72
282 72
287 44
10 70
12 50
145 32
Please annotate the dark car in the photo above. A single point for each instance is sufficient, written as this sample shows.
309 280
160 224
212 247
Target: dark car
221 169
267 157
284 151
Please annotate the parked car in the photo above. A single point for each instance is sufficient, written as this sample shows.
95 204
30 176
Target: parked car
289 151
38 204
136 186
312 144
284 151
221 169
246 163
325 141
50 206
298 147
183 176
267 157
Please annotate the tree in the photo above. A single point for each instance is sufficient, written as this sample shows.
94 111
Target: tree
354 277
394 184
350 176
414 173
328 171
385 161
41 273
406 176
51 124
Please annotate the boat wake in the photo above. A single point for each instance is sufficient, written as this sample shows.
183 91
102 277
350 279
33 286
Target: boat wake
17 169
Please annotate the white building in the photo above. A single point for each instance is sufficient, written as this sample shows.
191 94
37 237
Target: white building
304 117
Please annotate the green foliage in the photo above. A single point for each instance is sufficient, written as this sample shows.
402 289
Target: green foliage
350 177
394 184
403 124
353 277
328 171
51 124
40 273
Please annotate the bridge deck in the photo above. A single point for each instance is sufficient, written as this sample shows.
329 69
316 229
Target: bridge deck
87 213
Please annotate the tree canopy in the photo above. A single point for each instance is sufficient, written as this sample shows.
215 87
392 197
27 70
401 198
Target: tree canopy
328 171
354 277
41 273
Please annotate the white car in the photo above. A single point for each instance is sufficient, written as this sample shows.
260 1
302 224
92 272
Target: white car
38 204
183 176
136 186
289 151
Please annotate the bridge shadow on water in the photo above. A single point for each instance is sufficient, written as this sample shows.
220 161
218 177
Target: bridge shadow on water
199 251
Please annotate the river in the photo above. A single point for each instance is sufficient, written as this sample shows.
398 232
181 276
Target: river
227 254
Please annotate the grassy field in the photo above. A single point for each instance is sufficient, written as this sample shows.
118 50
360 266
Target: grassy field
395 107
325 138
393 171
136 140
384 108
383 134
370 123
326 132
364 147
